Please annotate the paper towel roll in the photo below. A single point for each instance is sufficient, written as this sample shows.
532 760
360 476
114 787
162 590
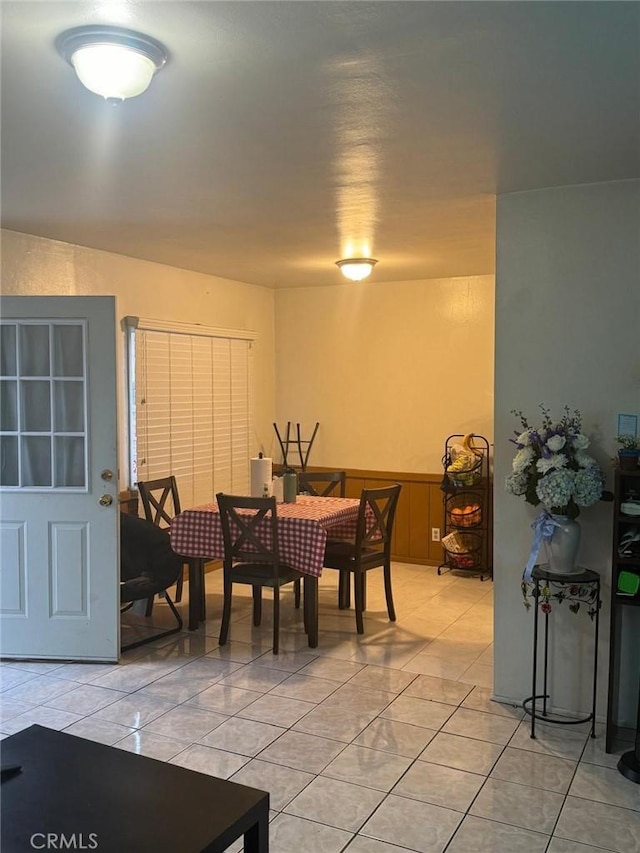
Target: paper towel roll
261 475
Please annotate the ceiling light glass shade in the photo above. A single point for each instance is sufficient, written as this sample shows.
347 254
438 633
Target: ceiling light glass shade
113 71
112 62
356 269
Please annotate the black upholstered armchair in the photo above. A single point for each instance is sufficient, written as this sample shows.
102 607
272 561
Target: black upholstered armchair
148 566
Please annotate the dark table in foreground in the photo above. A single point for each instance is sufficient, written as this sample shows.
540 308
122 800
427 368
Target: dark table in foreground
115 801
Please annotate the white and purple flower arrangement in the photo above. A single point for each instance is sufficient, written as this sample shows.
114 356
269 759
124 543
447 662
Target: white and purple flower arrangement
551 466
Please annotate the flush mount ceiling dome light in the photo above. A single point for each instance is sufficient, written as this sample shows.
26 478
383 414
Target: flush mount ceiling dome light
356 269
111 61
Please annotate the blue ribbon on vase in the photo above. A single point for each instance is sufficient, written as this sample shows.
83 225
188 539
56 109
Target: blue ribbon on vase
543 527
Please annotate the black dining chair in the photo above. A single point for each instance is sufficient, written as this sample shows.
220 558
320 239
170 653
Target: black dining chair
160 501
148 566
370 549
322 483
252 556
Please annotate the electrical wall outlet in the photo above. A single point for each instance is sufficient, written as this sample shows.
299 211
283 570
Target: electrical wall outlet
435 534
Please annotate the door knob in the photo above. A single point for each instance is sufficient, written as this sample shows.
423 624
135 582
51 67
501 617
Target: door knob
105 500
107 474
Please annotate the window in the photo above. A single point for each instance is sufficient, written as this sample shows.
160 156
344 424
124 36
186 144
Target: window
190 407
43 405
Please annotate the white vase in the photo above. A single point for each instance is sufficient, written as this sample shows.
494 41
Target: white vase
562 548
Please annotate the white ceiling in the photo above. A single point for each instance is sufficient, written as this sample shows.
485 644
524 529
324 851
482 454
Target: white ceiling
282 136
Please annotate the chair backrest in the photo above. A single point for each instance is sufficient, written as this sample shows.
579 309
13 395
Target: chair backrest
322 483
249 530
375 519
160 500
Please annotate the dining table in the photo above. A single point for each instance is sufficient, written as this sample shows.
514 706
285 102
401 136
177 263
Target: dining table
303 527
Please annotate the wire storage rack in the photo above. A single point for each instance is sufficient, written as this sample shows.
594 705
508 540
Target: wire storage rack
467 503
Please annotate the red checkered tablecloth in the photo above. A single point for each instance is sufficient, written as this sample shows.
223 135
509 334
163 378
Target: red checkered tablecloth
302 530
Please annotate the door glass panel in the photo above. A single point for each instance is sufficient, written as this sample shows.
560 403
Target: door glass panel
9 405
69 461
68 402
36 460
8 363
34 350
68 352
9 460
35 409
43 390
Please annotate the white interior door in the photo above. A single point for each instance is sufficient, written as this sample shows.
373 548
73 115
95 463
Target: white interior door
59 549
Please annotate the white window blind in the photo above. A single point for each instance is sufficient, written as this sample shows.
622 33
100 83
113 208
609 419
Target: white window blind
190 402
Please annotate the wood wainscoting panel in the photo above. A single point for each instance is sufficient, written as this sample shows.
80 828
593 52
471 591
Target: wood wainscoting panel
419 509
419 500
401 541
436 519
353 486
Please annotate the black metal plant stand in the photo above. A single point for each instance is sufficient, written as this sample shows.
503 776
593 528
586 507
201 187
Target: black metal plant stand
586 578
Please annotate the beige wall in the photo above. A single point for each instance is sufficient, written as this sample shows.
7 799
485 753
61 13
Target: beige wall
567 320
34 266
388 369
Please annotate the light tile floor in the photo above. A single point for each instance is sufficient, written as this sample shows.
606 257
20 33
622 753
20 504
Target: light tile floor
383 743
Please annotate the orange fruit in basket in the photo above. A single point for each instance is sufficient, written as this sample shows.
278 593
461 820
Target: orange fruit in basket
456 511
